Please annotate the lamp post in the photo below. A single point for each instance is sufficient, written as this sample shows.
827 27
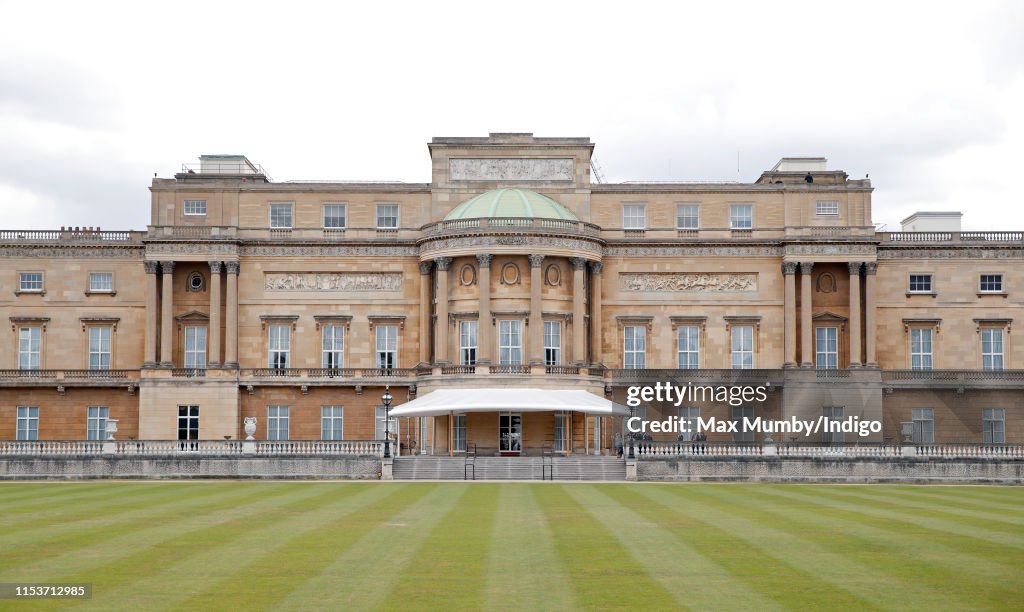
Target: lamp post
386 398
631 454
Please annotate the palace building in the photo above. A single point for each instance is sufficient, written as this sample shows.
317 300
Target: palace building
298 303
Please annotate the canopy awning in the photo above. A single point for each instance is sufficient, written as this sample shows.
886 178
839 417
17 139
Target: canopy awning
445 401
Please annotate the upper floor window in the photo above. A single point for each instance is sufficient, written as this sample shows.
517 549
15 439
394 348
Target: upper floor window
827 207
634 216
510 342
334 216
920 283
195 347
552 343
28 423
688 347
467 342
634 347
742 347
387 346
99 348
921 348
741 216
993 425
279 346
30 281
687 216
333 347
101 282
991 282
826 348
281 216
387 216
29 342
992 348
195 207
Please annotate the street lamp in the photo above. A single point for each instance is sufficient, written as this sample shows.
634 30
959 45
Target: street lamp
386 398
631 455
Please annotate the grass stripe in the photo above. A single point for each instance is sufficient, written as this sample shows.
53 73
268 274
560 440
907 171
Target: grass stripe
603 572
454 557
901 497
963 499
13 494
657 538
524 569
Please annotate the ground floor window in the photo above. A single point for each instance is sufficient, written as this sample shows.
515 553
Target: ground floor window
993 425
277 422
561 431
924 425
688 417
832 414
188 422
332 423
742 433
96 422
510 432
459 441
379 425
28 423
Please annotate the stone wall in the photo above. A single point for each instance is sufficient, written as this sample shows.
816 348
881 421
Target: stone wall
865 470
67 468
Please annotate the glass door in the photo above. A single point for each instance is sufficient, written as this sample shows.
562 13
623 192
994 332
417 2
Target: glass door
510 433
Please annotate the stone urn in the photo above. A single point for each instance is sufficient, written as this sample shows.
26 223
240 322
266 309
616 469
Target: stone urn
111 428
250 427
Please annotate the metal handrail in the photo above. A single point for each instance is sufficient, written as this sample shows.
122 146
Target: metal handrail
469 461
547 462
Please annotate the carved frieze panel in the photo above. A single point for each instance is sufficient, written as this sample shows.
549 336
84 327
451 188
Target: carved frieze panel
687 251
126 252
329 251
333 281
531 243
510 169
950 253
671 281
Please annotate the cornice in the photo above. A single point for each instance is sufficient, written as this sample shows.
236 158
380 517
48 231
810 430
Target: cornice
947 251
132 251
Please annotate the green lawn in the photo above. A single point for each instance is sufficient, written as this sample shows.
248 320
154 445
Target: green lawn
354 546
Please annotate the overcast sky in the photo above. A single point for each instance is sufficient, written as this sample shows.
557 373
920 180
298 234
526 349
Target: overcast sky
96 97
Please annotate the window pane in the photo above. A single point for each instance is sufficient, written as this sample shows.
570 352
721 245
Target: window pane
687 216
334 216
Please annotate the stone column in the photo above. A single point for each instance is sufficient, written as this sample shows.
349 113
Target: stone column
869 313
806 341
596 267
579 355
231 316
536 316
149 356
789 309
213 359
166 310
426 267
441 349
854 313
484 332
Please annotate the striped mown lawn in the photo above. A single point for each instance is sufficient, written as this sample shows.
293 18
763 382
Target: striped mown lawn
354 546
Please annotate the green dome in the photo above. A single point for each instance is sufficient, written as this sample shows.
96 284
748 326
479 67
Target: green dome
510 203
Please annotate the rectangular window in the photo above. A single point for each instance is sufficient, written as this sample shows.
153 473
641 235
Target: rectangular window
826 348
687 216
991 283
510 342
28 423
993 425
827 207
634 347
188 422
561 429
333 347
991 348
277 422
832 414
634 216
334 216
688 347
924 425
96 422
920 349
279 346
195 207
332 421
387 346
280 216
743 416
392 426
552 343
387 216
29 342
195 347
920 283
688 417
467 342
30 281
99 348
742 347
459 433
101 282
741 216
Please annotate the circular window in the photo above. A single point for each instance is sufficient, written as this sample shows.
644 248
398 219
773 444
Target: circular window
196 282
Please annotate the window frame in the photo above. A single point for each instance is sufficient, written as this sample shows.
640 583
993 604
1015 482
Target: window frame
469 342
31 289
332 421
831 357
100 421
94 289
742 434
510 354
185 208
192 349
98 350
988 434
733 217
381 352
276 415
397 216
29 415
189 414
332 346
344 215
922 434
927 358
34 330
631 347
834 208
741 352
552 343
634 206
992 355
286 351
692 351
272 206
833 414
992 278
918 276
696 216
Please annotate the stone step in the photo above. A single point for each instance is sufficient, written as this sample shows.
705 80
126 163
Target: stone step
509 468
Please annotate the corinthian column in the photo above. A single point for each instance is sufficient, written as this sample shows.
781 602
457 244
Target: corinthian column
596 268
149 357
484 328
213 360
789 311
854 313
441 350
231 317
807 342
536 316
869 312
166 310
579 266
426 267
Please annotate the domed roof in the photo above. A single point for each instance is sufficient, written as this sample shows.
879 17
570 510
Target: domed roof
510 203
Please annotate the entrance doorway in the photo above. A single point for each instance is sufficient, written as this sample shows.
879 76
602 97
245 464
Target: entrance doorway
510 433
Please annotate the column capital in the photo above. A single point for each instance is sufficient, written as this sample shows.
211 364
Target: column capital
578 263
443 263
870 267
167 267
151 266
216 266
484 259
426 267
596 267
806 267
231 267
854 267
536 260
788 267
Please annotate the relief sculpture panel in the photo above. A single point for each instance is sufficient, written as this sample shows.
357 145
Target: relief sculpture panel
701 282
510 169
333 281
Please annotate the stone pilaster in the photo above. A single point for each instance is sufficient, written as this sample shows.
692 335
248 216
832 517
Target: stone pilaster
426 267
596 356
441 333
213 356
536 338
806 299
579 267
149 356
789 309
231 316
166 314
854 267
869 313
485 331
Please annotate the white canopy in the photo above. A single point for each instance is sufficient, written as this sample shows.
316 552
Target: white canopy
445 401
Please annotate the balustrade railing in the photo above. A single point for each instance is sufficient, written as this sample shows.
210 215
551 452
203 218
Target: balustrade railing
971 451
509 369
155 448
70 375
50 447
951 236
514 223
373 448
83 234
328 372
647 449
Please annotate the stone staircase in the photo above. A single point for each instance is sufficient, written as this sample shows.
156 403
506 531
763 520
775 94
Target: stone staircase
577 467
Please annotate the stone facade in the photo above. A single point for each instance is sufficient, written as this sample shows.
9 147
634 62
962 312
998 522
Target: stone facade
271 273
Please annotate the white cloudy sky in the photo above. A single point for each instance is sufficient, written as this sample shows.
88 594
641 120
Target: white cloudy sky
95 97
